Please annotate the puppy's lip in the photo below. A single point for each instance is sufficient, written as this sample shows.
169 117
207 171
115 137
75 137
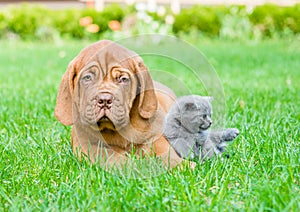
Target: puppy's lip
103 116
105 123
102 120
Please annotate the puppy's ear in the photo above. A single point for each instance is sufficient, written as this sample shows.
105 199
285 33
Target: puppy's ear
147 98
63 108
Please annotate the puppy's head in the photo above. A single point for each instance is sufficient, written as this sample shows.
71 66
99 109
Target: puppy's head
103 86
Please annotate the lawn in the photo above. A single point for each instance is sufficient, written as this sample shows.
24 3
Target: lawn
261 88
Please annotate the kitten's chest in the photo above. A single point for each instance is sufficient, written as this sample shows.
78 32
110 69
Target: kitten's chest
201 137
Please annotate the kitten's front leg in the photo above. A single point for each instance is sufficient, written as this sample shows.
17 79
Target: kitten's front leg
184 148
227 135
208 149
230 134
217 141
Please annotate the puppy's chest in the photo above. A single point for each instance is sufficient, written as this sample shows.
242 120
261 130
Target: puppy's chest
115 139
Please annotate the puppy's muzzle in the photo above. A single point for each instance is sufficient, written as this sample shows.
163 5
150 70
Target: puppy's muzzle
105 101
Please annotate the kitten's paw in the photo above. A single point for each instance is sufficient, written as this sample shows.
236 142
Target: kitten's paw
231 134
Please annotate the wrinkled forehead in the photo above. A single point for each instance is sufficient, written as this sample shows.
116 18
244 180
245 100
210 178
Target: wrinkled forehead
115 56
107 57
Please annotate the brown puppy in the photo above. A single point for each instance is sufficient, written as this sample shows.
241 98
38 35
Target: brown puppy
107 94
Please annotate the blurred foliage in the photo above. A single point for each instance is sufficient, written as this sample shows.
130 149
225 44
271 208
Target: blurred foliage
102 19
3 24
230 22
204 19
29 21
24 21
270 19
64 23
237 25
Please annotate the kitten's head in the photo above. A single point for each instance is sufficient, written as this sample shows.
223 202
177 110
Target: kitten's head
195 112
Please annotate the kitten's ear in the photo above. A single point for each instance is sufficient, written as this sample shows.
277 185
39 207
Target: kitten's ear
190 106
210 98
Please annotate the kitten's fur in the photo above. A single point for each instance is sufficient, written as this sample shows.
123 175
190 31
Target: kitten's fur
186 128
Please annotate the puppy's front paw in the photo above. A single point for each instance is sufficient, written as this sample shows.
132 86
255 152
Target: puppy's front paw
192 165
231 134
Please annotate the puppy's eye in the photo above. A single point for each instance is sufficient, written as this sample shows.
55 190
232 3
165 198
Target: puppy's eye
123 79
86 79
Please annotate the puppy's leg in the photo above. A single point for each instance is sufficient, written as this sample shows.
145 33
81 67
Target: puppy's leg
163 150
108 157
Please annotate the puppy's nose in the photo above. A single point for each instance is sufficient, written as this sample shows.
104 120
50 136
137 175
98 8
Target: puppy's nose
105 100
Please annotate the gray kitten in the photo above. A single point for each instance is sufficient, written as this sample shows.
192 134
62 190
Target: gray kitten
186 127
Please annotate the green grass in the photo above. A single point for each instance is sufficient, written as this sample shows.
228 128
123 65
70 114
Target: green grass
261 84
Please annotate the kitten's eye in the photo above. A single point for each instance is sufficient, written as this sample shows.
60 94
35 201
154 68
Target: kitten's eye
204 116
123 79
